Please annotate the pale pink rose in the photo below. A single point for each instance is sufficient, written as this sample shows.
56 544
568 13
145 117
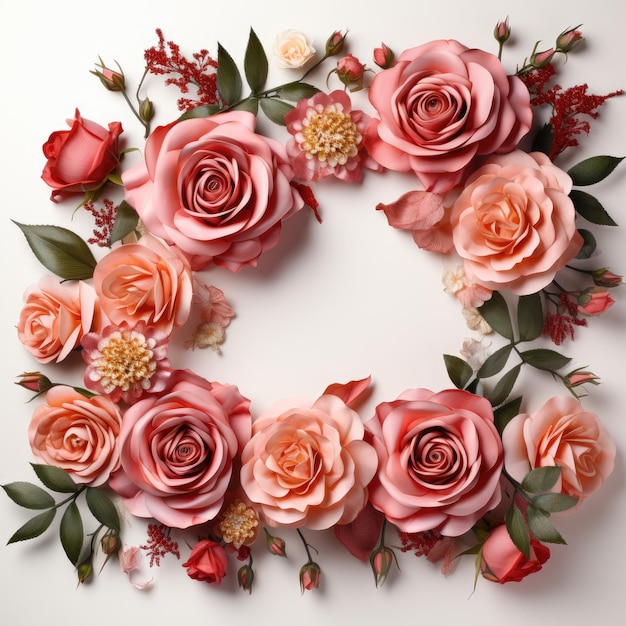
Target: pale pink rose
514 224
440 106
178 450
561 433
77 434
214 188
292 48
439 460
147 281
55 317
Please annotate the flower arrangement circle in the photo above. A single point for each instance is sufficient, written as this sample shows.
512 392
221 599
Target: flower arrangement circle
473 469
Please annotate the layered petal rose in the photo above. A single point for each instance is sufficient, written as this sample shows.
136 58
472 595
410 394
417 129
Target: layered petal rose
178 450
77 434
562 434
439 460
214 188
440 106
207 562
514 224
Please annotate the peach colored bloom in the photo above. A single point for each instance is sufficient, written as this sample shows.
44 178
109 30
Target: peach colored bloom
561 433
77 434
292 48
514 224
55 317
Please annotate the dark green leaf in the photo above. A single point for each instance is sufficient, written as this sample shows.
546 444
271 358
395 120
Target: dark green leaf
102 508
517 530
590 208
495 363
275 109
593 169
60 250
544 359
496 313
249 104
255 63
294 92
541 527
459 370
34 527
589 244
228 78
29 496
504 386
206 110
543 139
529 317
505 413
541 479
71 533
126 221
554 502
55 478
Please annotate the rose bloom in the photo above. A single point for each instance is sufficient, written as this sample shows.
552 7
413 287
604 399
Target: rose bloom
439 460
440 106
514 224
502 562
148 281
207 562
80 159
214 188
292 48
55 317
562 434
178 449
307 464
77 434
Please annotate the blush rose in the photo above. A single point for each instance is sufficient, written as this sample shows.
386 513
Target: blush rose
207 562
214 188
292 48
439 460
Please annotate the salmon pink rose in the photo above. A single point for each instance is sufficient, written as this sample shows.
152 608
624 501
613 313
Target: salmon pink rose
440 106
207 562
514 224
178 450
77 434
562 434
214 188
439 460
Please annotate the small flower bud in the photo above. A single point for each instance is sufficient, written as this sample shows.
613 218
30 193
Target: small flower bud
604 278
502 31
350 71
111 79
84 571
334 44
594 301
310 576
541 59
245 576
146 109
384 56
568 40
381 560
34 381
580 377
110 543
275 545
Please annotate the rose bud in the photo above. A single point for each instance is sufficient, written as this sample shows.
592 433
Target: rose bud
84 571
594 301
384 56
350 71
34 381
541 59
310 576
502 31
604 278
110 543
580 377
112 80
245 576
334 44
568 40
275 545
381 560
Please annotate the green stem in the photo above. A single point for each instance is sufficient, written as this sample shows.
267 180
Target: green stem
306 546
70 498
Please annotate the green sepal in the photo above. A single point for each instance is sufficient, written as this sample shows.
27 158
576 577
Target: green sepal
589 244
541 479
529 317
504 386
517 530
459 371
296 91
55 478
126 221
496 313
34 527
71 533
544 359
495 363
228 78
554 502
255 63
29 496
102 508
593 170
588 207
541 527
505 413
275 109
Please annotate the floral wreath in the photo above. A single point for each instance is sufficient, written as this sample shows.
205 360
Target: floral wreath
468 470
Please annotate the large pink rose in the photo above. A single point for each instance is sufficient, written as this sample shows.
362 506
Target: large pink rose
214 188
514 223
307 463
77 434
440 106
439 460
178 450
55 317
561 433
148 281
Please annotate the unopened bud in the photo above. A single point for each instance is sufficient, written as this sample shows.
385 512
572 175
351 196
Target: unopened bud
111 79
350 71
110 543
245 576
381 561
568 40
310 574
541 59
384 56
84 571
334 44
580 377
34 381
604 278
275 545
502 31
146 109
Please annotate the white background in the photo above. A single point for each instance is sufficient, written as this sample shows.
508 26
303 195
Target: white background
331 303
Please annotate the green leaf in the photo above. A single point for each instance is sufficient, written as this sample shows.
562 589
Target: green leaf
541 479
60 250
249 104
34 527
543 139
589 244
504 386
496 313
275 109
228 78
205 110
554 502
55 478
255 63
544 359
517 530
29 496
102 508
541 527
296 91
590 208
593 170
529 317
126 221
505 413
458 370
495 363
71 533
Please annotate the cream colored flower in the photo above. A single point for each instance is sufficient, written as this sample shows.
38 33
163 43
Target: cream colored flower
292 48
475 321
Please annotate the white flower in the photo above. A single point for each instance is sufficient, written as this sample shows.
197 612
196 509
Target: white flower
475 353
292 48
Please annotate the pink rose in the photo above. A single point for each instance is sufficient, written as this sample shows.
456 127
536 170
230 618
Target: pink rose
561 433
207 562
148 281
80 159
514 223
439 460
214 188
178 450
77 434
55 317
440 106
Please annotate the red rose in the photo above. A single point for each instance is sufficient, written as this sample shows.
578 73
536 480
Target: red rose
207 562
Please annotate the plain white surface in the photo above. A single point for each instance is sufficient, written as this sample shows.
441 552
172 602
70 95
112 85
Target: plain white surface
333 302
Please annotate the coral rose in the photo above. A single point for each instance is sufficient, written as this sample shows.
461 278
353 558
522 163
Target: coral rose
178 450
514 224
561 433
56 316
207 562
214 188
440 106
77 434
439 460
148 281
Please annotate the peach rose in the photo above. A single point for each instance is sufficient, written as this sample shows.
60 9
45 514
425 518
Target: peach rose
148 281
440 106
77 434
292 48
214 188
439 460
178 450
514 223
55 317
561 433
307 464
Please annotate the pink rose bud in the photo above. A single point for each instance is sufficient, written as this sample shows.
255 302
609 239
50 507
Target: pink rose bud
580 377
111 79
245 576
502 31
334 44
275 545
384 56
34 381
350 71
110 543
310 576
604 278
594 301
381 561
541 59
568 40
